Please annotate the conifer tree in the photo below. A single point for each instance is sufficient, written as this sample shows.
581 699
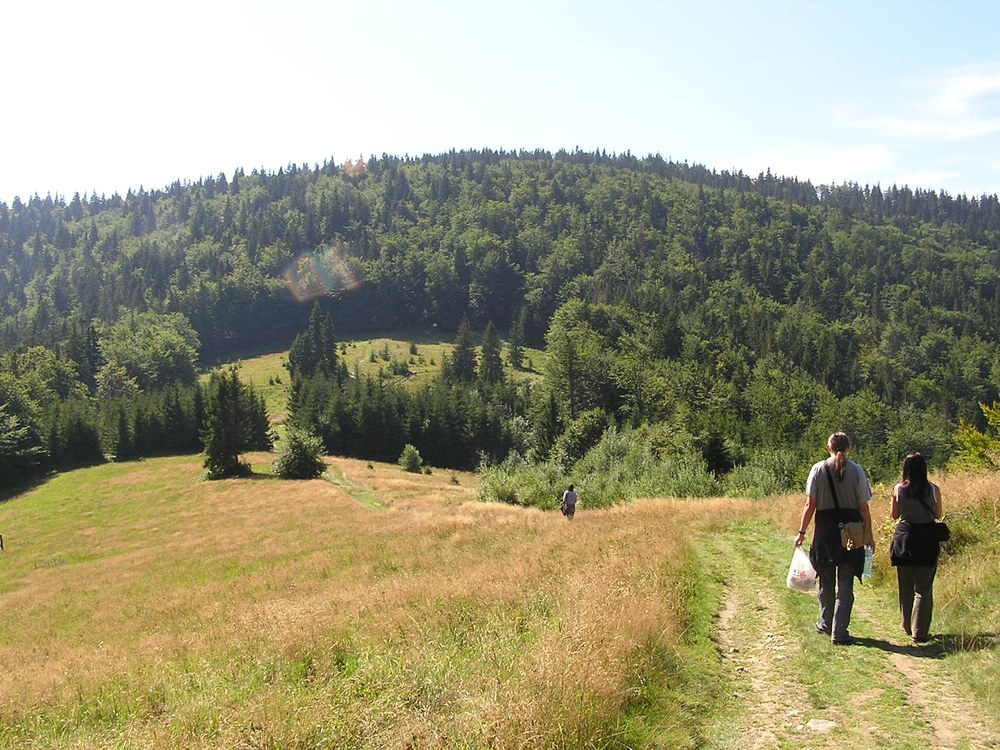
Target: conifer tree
545 424
232 425
490 365
515 355
314 351
461 366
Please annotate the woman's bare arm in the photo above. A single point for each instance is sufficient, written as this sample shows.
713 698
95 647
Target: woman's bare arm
807 513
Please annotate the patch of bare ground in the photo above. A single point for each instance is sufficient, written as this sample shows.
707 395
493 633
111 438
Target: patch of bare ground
941 702
756 642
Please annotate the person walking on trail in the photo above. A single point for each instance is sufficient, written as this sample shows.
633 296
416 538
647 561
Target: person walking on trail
569 500
837 492
915 548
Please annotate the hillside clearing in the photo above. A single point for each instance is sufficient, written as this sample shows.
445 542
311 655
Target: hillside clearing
146 608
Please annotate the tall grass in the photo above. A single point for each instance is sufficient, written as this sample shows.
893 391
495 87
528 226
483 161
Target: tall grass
146 608
967 588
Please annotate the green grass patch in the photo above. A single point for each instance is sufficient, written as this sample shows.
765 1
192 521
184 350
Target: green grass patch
680 689
365 495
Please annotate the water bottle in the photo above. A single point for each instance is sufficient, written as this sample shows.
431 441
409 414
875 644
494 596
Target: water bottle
869 556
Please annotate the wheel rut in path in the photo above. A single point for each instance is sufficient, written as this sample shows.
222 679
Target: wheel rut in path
756 643
761 646
954 719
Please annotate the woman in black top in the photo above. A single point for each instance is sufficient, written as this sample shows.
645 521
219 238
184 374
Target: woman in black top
915 548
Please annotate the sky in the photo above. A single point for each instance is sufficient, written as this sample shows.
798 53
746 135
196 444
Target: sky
106 96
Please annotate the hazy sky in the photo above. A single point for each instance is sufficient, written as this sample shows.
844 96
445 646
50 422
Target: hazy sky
108 95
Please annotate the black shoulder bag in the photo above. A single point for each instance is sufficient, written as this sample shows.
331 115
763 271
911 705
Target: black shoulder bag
852 533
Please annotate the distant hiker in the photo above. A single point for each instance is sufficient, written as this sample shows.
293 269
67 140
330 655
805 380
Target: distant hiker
915 548
569 499
837 492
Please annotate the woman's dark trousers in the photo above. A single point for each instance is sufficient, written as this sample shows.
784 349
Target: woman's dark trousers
836 599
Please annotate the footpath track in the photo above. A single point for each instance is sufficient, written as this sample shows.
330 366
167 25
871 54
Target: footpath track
791 688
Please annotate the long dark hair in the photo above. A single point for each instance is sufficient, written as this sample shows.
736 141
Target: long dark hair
915 475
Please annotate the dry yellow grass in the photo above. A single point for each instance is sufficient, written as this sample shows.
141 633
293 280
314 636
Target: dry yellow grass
169 611
143 607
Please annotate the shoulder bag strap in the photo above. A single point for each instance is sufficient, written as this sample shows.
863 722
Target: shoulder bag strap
833 489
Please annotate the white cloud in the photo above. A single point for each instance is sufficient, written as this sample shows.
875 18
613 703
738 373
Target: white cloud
951 104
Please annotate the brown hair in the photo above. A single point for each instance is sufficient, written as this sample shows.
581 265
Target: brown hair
839 444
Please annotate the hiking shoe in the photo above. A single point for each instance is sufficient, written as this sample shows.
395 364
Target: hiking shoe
822 629
847 640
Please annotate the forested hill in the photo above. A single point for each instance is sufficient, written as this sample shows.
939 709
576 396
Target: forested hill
489 234
714 284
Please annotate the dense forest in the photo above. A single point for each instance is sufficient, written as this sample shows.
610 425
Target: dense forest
721 322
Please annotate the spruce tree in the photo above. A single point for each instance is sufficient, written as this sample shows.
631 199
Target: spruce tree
314 351
232 425
490 365
462 363
515 355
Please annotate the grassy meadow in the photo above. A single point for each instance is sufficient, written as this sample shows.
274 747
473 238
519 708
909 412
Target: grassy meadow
370 357
144 607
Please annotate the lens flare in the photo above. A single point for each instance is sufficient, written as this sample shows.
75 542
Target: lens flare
320 273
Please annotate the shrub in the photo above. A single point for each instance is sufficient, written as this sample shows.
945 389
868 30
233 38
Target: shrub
975 450
497 485
410 459
749 480
519 482
300 456
579 437
767 471
621 467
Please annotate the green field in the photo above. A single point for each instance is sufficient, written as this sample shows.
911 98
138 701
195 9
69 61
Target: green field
370 357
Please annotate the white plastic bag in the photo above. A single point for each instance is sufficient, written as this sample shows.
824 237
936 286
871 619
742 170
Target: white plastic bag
801 575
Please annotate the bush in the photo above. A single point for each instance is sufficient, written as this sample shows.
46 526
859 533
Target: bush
621 467
517 482
580 436
767 471
300 456
752 481
410 459
497 485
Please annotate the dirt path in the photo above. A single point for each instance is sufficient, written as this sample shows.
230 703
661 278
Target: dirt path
757 646
920 672
791 688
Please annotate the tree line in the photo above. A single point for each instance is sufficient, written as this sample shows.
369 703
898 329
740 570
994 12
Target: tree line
744 313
